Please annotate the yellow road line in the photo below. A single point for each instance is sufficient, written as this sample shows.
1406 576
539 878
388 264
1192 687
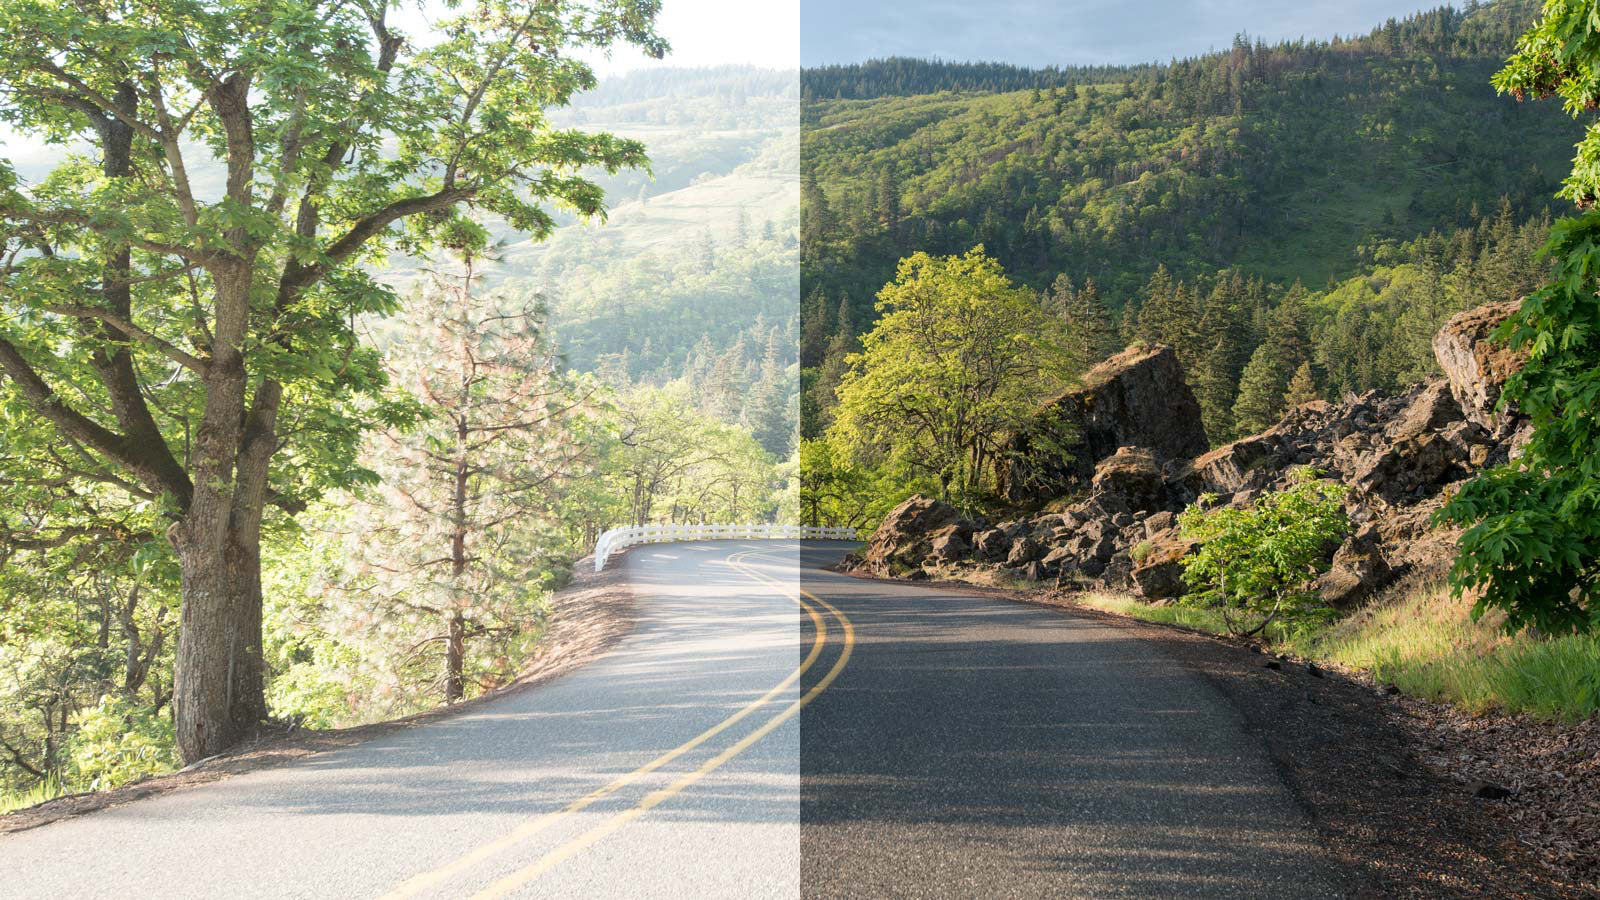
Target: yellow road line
426 880
560 854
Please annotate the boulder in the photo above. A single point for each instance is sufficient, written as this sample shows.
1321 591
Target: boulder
905 538
991 545
1136 398
1159 522
1247 462
949 545
1476 366
1159 573
1359 569
1131 474
1433 409
1408 469
1025 550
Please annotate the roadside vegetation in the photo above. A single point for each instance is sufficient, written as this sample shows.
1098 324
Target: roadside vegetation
1423 640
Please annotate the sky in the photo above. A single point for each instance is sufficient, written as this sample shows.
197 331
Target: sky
1070 32
721 32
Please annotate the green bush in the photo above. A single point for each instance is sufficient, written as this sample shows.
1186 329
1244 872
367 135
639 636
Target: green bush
118 742
1257 565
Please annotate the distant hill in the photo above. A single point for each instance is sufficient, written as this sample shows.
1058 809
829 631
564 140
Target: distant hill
698 260
1281 160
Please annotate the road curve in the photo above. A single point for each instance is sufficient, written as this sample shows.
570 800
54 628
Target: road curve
901 742
673 799
977 747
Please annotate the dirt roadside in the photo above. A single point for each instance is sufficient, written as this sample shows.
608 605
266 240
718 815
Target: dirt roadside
588 616
1391 783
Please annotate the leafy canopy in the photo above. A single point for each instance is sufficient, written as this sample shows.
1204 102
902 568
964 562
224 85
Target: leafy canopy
959 358
1532 539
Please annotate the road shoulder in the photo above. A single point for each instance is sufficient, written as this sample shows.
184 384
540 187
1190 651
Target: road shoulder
1351 756
588 617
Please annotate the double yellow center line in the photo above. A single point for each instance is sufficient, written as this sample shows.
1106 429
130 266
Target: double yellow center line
503 886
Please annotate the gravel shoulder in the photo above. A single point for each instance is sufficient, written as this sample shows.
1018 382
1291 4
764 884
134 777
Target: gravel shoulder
588 617
1390 782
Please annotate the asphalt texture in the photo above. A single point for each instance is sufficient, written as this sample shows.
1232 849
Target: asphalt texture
978 747
930 744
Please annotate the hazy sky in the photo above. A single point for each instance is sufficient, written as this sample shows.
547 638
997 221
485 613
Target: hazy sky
1065 32
718 32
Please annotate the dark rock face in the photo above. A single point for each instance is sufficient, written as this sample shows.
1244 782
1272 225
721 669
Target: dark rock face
906 536
1137 398
1476 367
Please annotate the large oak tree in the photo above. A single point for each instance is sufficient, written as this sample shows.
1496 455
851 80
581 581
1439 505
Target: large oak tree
178 296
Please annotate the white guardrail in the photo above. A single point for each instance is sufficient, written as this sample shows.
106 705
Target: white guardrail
618 538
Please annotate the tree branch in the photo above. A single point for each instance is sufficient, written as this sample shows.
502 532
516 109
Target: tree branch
167 349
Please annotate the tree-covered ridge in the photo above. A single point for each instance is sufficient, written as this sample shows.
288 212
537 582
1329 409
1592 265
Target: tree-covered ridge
901 76
1277 159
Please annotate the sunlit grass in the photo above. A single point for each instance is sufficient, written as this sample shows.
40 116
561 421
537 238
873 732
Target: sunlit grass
48 789
1423 641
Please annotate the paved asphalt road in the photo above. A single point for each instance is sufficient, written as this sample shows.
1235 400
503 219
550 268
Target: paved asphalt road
929 745
982 748
408 811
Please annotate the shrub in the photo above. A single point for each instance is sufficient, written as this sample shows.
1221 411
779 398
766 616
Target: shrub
118 742
1257 565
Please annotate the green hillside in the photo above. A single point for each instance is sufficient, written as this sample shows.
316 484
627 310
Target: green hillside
1280 160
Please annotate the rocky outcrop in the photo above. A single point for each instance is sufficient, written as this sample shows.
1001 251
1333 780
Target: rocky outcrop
907 537
1399 455
1476 366
1137 398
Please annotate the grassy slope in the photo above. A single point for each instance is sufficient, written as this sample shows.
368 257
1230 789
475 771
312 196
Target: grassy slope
1424 642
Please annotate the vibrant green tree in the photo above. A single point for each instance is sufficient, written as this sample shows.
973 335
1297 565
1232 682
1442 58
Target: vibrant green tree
1532 540
959 358
1258 564
167 332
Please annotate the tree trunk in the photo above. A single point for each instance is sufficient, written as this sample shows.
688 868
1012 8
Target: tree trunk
455 651
218 691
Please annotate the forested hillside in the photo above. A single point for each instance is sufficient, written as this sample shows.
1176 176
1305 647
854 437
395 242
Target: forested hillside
1283 170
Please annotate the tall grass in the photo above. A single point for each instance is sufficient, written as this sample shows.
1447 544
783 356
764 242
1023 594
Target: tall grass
1423 641
47 789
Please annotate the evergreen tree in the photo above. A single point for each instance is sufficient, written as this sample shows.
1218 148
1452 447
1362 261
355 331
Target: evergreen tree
1091 331
1302 387
1261 391
1225 330
771 413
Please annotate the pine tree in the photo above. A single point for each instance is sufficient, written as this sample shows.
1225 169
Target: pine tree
1261 391
1302 387
1156 307
1090 328
771 412
816 323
